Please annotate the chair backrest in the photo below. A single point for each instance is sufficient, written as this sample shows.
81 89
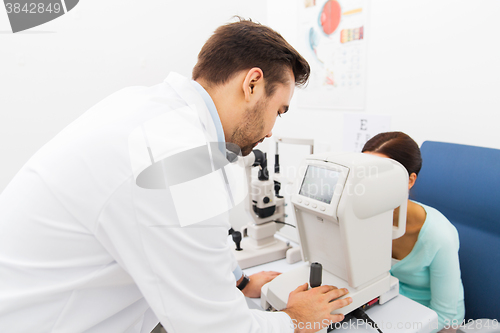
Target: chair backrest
463 182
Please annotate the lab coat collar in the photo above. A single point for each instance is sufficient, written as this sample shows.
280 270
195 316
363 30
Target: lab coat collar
212 109
188 93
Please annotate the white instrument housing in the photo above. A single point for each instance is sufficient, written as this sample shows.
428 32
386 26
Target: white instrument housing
344 206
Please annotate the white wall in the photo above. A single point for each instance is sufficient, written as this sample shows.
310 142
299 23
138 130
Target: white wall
51 74
432 65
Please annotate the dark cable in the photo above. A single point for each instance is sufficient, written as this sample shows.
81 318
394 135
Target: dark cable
291 225
360 314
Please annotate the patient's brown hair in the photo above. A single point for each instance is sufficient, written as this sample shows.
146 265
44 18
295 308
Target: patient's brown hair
398 146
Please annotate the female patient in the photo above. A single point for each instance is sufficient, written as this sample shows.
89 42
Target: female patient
425 258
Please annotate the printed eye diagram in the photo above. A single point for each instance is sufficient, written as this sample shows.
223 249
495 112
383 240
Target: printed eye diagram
25 15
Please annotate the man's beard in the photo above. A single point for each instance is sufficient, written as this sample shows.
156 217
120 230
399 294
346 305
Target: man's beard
243 135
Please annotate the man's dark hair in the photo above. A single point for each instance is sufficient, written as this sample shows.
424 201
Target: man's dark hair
243 45
398 146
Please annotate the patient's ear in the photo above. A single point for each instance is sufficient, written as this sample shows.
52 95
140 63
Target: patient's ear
413 178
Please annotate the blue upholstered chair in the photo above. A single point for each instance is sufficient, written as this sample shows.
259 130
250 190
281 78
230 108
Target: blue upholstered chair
463 182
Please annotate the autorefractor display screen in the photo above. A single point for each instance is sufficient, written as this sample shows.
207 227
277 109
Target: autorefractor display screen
319 183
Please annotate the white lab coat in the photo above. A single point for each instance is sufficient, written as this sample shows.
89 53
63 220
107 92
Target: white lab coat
84 249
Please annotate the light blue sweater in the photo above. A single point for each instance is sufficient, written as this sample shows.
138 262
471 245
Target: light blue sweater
430 274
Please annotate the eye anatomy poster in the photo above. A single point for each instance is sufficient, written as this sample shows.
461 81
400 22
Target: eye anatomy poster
333 39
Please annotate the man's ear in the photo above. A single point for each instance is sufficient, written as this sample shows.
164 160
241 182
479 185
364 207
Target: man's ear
412 180
253 84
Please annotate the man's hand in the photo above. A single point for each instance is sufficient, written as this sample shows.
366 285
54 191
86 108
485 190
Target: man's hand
311 309
257 280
